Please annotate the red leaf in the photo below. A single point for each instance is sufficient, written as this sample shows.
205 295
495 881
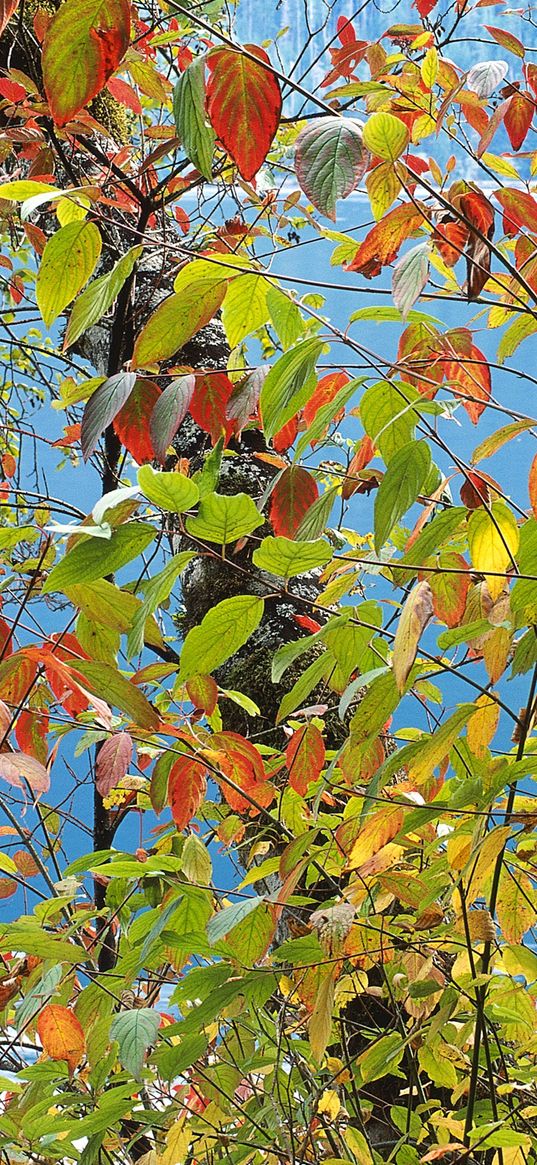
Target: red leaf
125 94
113 760
186 789
241 763
327 388
31 733
6 639
425 7
244 105
11 90
83 45
131 424
470 379
519 210
518 118
294 493
450 237
284 439
306 623
7 8
304 757
345 30
381 245
19 677
476 490
209 404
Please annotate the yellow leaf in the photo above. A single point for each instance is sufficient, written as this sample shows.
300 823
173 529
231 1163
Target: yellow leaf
320 1025
383 186
516 904
329 1104
493 540
177 1144
376 832
416 613
429 68
482 725
481 867
69 258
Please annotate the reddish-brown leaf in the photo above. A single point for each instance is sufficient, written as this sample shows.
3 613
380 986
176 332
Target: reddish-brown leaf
518 118
519 210
113 760
61 1034
244 105
131 423
187 783
294 493
507 40
203 691
450 237
532 485
83 45
305 757
470 379
31 733
7 8
209 404
479 490
381 245
241 764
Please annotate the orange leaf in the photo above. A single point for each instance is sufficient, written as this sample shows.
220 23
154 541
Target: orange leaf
304 757
519 210
327 388
203 691
294 493
131 423
518 118
244 105
61 1034
284 439
471 381
7 8
186 789
381 245
31 733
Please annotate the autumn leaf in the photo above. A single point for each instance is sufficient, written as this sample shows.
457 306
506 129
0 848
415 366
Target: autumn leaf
518 118
169 411
493 539
410 276
532 485
244 105
21 770
208 405
187 783
131 423
304 757
7 9
482 725
294 493
383 242
113 759
416 614
83 45
470 379
61 1035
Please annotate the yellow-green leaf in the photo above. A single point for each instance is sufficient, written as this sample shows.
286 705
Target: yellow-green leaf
385 136
69 258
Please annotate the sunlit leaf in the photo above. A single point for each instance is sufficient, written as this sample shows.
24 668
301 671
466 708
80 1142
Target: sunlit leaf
225 628
244 104
61 1034
83 45
193 129
69 258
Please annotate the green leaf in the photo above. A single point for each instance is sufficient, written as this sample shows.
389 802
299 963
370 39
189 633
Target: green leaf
410 275
222 518
175 321
69 258
381 314
135 1032
286 558
108 683
389 416
223 922
288 386
98 298
302 688
433 537
103 405
10 536
385 136
316 519
26 935
381 1058
285 316
96 558
172 492
225 628
197 136
330 161
518 330
245 307
156 591
399 488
